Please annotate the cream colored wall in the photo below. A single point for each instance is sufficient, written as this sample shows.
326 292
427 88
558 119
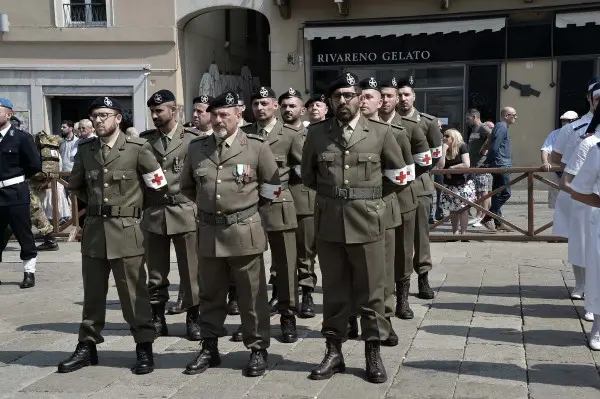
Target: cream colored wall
536 115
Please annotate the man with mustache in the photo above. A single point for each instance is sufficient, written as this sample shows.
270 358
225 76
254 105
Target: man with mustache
229 174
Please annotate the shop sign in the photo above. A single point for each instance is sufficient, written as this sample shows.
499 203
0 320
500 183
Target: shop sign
372 57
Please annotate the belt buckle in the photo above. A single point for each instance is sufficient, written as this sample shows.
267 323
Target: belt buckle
343 193
104 210
219 219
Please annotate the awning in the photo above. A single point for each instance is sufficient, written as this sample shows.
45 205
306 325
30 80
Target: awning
577 18
429 28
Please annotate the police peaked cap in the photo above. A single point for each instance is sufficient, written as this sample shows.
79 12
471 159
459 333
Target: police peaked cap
106 102
263 92
226 100
202 100
370 83
291 92
342 82
315 98
160 97
593 82
405 82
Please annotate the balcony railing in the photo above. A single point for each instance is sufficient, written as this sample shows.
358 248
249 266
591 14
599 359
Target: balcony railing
91 15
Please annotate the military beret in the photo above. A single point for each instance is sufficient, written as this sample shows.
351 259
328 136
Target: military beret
592 82
315 98
226 100
406 82
370 83
105 102
202 99
289 94
391 82
5 102
343 81
263 92
160 97
15 119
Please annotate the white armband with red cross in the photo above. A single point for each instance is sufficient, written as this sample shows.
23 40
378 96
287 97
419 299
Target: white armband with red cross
423 158
155 179
410 171
298 170
436 152
398 176
270 191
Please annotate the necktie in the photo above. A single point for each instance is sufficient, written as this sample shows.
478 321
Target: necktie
263 132
222 150
347 133
165 142
105 151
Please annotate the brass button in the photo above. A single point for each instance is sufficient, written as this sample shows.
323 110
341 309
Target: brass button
347 152
346 182
105 184
369 157
218 212
218 181
346 167
283 200
105 170
376 206
250 219
164 171
218 196
105 216
105 199
220 167
165 158
123 177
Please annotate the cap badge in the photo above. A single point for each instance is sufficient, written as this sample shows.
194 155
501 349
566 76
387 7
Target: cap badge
204 99
229 99
292 92
411 80
157 98
322 98
108 102
394 82
264 93
350 79
373 83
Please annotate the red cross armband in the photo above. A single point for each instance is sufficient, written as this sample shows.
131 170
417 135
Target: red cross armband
400 177
155 179
423 158
436 152
270 191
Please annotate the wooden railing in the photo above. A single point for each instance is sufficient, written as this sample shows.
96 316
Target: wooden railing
529 233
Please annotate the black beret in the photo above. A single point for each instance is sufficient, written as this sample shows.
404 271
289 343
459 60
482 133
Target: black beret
105 102
315 98
15 119
226 100
202 99
391 82
289 94
370 83
160 97
406 82
263 92
592 82
343 81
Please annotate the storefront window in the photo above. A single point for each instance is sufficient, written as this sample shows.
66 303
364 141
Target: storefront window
572 84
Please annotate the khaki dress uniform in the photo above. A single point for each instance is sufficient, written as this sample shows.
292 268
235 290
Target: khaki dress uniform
171 217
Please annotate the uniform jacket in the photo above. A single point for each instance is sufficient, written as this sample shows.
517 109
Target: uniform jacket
116 181
429 125
327 161
226 186
18 157
304 197
170 213
286 143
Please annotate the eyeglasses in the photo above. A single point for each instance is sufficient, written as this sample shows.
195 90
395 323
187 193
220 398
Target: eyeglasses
347 96
102 115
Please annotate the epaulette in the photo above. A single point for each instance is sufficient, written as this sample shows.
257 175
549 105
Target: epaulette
246 125
427 116
404 118
399 127
136 140
147 132
201 137
377 122
85 141
294 128
192 130
576 128
255 136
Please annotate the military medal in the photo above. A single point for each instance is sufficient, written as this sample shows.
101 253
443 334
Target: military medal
247 170
239 173
177 165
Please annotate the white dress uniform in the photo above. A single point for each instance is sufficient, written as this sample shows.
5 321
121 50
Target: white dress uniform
566 143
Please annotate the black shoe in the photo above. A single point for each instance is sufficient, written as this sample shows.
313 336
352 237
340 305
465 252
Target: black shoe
177 308
332 363
28 280
288 329
192 328
49 243
85 355
274 302
232 304
307 309
439 215
403 310
207 357
257 365
145 359
425 291
238 335
375 369
393 338
159 321
352 332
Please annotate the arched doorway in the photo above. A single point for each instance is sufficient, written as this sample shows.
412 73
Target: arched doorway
229 42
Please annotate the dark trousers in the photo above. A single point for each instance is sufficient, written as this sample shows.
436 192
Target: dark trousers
499 180
19 220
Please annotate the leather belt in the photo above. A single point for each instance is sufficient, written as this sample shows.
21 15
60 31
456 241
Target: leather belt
12 181
350 193
114 211
227 219
173 199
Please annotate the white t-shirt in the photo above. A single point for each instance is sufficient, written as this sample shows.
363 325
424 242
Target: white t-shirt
573 137
578 158
587 180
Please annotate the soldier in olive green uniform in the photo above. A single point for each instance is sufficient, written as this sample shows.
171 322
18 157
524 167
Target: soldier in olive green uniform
225 174
423 184
110 174
345 159
280 215
407 197
170 217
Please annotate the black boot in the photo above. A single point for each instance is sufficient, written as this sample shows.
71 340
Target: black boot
332 363
257 365
403 310
352 332
238 335
307 309
49 243
232 304
207 357
192 328
274 302
393 338
425 291
145 359
288 329
28 280
159 321
375 369
85 355
177 308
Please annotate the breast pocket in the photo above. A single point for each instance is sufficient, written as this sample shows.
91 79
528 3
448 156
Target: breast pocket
11 156
326 162
200 174
123 180
93 183
367 164
280 159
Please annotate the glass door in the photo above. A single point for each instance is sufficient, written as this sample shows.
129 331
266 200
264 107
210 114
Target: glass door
445 104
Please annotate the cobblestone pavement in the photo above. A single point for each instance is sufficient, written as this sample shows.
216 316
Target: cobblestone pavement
501 326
